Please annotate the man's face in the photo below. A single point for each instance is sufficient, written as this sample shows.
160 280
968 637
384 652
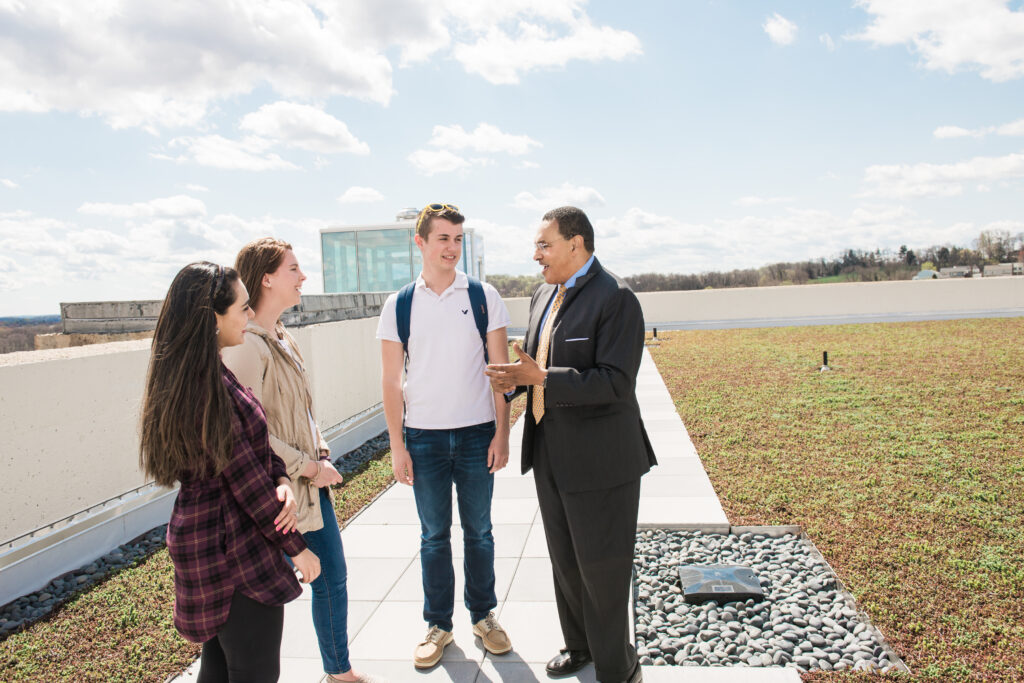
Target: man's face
443 247
554 253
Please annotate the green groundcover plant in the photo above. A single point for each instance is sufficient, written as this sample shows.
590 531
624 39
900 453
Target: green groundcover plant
121 629
904 464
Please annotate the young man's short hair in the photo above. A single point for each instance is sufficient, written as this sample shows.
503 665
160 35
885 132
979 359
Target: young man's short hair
425 221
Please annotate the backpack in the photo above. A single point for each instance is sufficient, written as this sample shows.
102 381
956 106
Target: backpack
477 301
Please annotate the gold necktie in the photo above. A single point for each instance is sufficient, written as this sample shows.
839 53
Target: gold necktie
542 352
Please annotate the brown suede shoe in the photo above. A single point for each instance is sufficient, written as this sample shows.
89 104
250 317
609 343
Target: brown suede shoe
428 653
492 635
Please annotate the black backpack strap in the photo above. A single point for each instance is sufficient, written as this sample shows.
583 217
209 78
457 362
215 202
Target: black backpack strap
403 313
478 302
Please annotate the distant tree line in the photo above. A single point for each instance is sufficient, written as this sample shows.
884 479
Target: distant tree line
853 265
19 334
515 285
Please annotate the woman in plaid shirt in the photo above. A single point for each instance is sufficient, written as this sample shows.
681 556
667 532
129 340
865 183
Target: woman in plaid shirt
234 516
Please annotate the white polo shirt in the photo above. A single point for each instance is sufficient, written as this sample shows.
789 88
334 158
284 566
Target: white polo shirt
445 386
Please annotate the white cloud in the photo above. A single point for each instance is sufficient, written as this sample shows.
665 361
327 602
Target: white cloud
761 201
781 30
302 126
192 187
508 249
141 64
526 165
945 132
826 40
564 194
133 252
285 124
433 161
982 35
1014 128
485 138
939 180
98 242
642 241
358 195
502 56
248 154
138 64
178 206
8 183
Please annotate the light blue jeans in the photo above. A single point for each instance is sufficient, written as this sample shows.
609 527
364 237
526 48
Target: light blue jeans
330 590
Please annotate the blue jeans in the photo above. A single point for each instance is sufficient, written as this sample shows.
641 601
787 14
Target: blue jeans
441 457
330 590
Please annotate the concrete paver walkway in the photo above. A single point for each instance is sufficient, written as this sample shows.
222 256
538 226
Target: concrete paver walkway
384 582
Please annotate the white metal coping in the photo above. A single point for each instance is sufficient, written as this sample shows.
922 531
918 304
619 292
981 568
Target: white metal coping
33 559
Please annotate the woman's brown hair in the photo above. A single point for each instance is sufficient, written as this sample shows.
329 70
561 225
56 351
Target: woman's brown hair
186 409
255 260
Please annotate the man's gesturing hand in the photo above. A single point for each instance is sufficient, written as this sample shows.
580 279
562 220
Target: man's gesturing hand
521 373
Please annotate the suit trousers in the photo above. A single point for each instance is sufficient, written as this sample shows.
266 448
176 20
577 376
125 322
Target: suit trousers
590 536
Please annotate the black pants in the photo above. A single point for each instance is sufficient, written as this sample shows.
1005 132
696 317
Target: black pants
590 537
247 649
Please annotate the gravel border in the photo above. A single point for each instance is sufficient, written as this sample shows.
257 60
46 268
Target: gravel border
807 621
28 609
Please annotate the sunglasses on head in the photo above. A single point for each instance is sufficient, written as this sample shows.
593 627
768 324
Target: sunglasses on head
441 207
435 208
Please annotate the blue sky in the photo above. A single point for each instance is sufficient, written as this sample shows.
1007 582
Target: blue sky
704 135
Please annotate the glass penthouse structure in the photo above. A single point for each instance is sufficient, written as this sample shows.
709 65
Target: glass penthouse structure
383 258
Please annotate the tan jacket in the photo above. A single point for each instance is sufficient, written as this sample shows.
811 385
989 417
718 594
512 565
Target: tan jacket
282 388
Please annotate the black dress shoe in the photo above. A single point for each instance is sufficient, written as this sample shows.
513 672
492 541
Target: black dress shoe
567 662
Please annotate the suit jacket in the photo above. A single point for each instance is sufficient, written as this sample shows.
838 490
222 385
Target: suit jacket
593 431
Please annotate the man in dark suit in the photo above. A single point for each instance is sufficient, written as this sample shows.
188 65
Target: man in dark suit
584 439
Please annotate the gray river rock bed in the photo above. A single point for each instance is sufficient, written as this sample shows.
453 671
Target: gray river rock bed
354 459
30 608
807 620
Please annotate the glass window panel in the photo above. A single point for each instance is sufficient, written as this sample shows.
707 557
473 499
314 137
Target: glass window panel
339 254
384 260
417 258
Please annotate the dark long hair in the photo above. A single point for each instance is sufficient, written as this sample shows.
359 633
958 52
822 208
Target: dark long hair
186 410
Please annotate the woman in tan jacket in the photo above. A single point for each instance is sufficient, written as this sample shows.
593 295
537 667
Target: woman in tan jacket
269 363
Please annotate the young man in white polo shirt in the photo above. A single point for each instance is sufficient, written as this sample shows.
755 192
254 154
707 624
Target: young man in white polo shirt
455 428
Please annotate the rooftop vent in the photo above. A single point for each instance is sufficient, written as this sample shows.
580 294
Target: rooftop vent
718 582
407 214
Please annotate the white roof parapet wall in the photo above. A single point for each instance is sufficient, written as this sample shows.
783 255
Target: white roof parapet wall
110 317
69 472
894 298
820 304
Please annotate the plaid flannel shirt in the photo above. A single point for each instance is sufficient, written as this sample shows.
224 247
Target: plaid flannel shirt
221 535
